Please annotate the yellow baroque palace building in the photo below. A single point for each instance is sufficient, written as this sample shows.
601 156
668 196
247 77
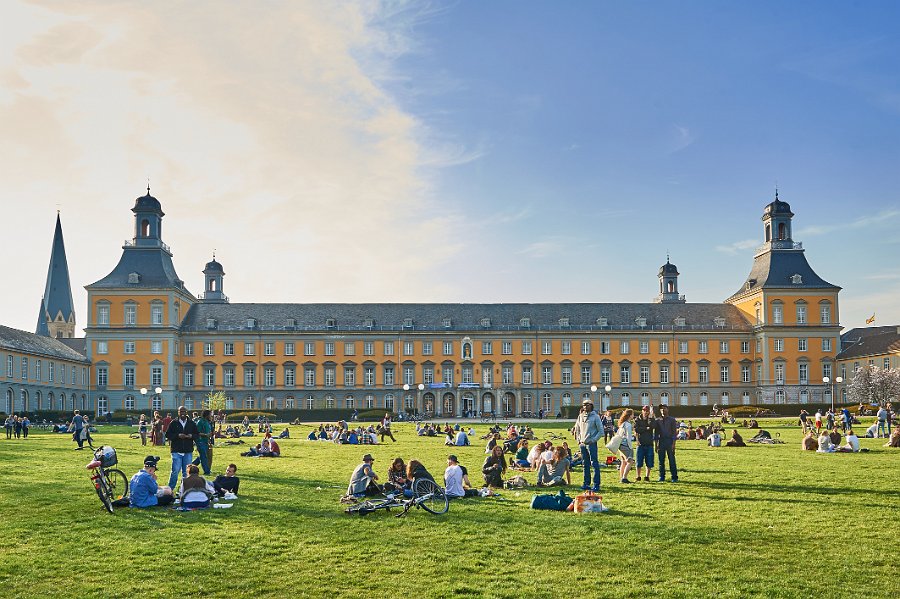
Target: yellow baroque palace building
152 344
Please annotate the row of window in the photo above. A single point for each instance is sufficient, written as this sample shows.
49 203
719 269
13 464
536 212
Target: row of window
130 314
44 371
800 313
129 347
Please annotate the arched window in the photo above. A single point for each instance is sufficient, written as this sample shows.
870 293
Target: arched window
9 401
370 401
645 399
145 228
704 399
725 398
249 403
779 396
329 402
671 287
37 400
684 398
50 401
626 399
768 232
664 399
804 396
349 402
212 285
745 398
567 399
782 230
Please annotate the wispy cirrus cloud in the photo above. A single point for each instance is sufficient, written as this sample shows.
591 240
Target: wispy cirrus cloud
738 246
543 248
861 222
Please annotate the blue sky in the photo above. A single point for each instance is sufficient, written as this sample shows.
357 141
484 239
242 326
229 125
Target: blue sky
499 151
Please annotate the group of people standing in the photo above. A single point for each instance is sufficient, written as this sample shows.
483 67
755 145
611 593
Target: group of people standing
17 426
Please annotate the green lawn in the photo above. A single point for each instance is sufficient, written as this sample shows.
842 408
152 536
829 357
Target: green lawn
755 521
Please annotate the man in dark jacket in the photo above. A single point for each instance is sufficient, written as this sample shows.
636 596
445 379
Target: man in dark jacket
644 426
666 432
182 433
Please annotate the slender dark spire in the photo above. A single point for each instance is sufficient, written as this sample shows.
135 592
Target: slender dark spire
57 298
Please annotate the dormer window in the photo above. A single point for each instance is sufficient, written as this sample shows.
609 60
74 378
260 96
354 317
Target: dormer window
291 323
210 323
719 322
447 323
602 321
329 323
679 322
640 321
750 284
525 323
564 321
407 323
134 278
797 279
485 323
251 323
369 323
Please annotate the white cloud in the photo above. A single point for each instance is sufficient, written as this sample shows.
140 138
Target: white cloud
738 246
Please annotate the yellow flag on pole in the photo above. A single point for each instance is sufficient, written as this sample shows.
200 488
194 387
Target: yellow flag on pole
871 320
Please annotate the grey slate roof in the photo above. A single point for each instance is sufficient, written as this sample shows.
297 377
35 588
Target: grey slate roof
776 267
58 290
464 317
153 264
858 343
14 339
79 344
41 328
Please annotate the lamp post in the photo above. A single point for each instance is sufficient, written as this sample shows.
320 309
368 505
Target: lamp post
837 380
405 391
421 388
593 391
144 395
607 388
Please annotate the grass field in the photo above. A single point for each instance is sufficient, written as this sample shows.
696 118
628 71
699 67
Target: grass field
755 521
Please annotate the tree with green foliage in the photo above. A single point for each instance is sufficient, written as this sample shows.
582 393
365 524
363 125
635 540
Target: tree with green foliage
215 401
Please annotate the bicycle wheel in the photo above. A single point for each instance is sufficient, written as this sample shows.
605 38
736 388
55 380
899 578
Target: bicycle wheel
118 483
104 494
431 497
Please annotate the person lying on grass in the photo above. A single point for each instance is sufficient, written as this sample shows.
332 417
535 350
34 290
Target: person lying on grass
145 492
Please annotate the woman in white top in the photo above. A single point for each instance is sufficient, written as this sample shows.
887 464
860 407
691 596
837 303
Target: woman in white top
534 456
626 429
852 442
825 444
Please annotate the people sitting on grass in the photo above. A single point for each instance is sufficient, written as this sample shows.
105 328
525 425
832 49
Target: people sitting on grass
396 477
736 440
285 434
825 444
520 462
462 439
871 431
715 439
363 481
809 442
228 482
492 442
449 439
895 439
852 445
835 436
313 435
493 468
534 455
415 471
267 449
456 479
144 490
557 471
194 481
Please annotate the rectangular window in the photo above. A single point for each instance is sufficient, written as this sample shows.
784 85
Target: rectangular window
779 344
38 373
604 347
388 376
506 348
703 374
745 347
777 314
103 315
507 373
566 374
683 375
526 348
329 376
779 374
826 369
625 373
585 348
448 348
228 349
546 348
249 376
129 402
547 375
409 375
887 364
188 376
605 374
249 349
825 313
624 347
329 348
565 348
682 347
664 375
156 315
645 375
156 347
427 348
269 376
309 348
663 347
804 374
526 375
129 376
447 373
826 343
703 347
128 347
487 377
349 376
801 314
408 348
9 364
586 375
428 374
802 344
758 345
487 348
228 375
389 348
103 347
644 347
725 373
209 377
130 315
745 373
369 376
269 348
156 376
368 348
309 377
467 375
209 349
288 348
349 348
723 347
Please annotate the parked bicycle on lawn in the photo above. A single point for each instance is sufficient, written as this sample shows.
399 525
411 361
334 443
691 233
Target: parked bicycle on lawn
426 495
110 483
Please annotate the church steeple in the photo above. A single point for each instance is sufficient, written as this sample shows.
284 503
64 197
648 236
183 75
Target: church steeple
57 311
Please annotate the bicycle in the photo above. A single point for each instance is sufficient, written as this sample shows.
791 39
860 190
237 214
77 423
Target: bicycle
527 414
110 483
426 494
551 436
488 417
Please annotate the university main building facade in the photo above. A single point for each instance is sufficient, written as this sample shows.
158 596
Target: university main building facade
152 344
